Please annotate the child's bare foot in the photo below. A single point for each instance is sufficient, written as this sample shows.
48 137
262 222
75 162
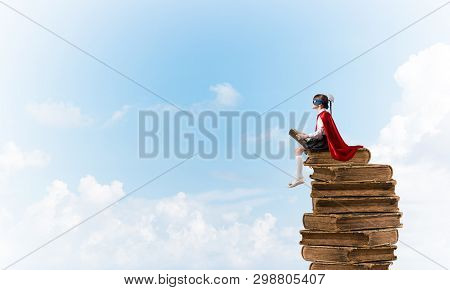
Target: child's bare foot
296 182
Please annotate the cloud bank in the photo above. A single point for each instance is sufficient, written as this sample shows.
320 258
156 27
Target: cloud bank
181 231
415 142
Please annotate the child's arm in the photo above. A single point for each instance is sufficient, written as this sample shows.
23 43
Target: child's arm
302 135
319 131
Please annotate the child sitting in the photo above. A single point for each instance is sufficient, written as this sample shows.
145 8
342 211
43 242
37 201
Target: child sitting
325 138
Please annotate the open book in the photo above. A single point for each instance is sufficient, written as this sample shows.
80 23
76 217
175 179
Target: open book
293 133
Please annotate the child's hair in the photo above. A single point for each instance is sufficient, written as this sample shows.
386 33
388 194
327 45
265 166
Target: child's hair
323 98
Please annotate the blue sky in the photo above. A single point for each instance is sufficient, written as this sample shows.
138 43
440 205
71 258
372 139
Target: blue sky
266 50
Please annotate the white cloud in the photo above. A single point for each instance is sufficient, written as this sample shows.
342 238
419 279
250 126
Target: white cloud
117 115
423 106
95 193
58 114
176 208
13 158
226 95
175 232
57 210
415 142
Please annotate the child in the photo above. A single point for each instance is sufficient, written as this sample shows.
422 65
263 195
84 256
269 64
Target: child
325 138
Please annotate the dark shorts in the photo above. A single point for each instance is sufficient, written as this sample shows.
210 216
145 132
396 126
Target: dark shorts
316 144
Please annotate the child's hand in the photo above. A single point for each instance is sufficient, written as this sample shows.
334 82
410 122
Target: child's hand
302 135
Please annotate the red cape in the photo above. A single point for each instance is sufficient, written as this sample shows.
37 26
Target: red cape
338 148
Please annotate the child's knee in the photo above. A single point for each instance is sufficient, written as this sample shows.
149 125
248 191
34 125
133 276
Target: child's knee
299 150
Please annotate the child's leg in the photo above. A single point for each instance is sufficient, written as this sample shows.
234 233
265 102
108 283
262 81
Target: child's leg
299 174
298 157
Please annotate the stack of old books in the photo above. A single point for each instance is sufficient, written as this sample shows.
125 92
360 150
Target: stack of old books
355 214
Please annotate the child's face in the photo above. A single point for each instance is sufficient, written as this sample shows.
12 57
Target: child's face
316 107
